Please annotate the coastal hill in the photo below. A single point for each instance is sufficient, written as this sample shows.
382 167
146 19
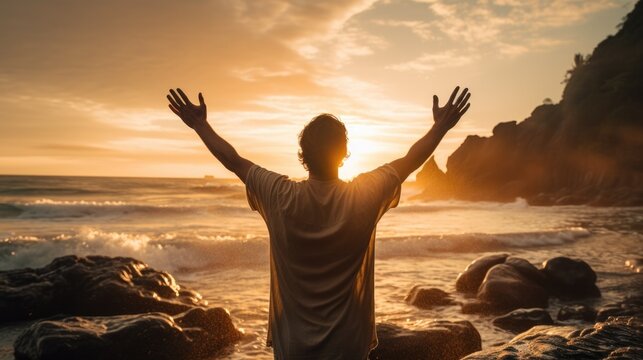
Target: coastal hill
586 149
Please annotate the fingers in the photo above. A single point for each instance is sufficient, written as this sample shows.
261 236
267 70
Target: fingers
201 101
435 102
184 97
453 94
174 110
459 101
177 99
464 110
462 102
173 102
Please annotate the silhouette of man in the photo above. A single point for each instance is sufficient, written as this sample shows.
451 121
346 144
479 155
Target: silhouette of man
322 230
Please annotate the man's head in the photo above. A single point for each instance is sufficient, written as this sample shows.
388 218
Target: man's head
322 144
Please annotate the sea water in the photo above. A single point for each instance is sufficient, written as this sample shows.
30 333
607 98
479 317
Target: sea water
204 233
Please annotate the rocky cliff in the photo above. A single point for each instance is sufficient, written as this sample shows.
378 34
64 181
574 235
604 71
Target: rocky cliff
587 149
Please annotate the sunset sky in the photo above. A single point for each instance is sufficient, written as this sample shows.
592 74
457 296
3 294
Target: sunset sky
83 83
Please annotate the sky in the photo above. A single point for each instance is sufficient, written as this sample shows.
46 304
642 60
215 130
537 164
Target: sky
83 83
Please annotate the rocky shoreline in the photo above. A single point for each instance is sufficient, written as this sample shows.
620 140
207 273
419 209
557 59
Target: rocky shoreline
106 308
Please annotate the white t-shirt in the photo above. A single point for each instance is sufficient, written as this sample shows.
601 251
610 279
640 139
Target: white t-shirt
322 239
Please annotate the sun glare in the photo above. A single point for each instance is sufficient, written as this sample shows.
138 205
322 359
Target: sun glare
361 148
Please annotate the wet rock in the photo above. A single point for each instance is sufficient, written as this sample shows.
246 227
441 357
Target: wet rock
427 298
470 279
630 306
570 278
577 312
93 285
444 340
527 269
196 333
635 265
506 288
611 339
523 319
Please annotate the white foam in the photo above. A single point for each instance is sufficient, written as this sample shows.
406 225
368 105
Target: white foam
174 252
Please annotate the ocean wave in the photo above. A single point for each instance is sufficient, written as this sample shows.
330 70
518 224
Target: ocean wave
192 251
411 246
52 209
439 205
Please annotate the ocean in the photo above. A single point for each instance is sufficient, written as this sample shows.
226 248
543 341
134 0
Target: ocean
203 232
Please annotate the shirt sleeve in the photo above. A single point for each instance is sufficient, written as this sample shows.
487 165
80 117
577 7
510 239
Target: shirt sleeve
382 186
262 188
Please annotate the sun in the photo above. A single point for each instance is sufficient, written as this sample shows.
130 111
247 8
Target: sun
360 150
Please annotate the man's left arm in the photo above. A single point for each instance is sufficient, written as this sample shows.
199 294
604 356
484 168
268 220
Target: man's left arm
445 117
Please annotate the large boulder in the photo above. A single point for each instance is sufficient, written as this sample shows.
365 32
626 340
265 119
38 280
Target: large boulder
93 285
521 320
506 288
570 278
470 279
617 338
440 340
427 297
196 333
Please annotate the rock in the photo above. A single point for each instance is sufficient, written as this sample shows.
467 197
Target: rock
196 333
505 288
470 279
523 319
426 298
630 306
584 149
93 285
444 340
527 269
577 312
570 278
616 338
635 265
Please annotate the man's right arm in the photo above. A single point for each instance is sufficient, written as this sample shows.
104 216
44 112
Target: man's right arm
445 118
195 116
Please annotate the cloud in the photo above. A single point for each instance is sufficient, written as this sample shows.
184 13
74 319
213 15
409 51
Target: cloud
422 29
430 62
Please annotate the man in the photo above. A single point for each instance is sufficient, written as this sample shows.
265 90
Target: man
322 230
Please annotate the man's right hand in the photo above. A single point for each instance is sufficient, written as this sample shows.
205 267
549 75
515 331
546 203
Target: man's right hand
192 115
447 116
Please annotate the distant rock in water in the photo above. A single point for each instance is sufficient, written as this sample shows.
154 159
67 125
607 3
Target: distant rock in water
584 150
444 340
93 285
470 279
616 338
194 334
504 283
427 297
570 278
523 319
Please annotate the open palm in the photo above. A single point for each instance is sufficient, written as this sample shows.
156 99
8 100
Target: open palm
448 115
192 115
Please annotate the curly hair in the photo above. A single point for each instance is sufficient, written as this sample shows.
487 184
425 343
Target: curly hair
323 143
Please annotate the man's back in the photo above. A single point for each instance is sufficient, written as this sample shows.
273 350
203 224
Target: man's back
322 236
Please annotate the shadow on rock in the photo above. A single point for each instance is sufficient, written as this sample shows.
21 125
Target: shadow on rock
196 333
